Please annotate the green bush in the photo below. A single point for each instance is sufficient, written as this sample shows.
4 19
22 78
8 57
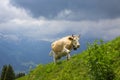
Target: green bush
100 65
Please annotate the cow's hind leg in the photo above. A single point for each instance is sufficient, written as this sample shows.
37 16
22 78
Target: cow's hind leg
51 53
55 60
54 57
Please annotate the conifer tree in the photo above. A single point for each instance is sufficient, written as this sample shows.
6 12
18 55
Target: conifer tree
20 74
3 72
10 73
7 73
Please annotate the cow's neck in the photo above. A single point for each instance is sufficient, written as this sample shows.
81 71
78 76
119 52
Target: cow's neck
70 46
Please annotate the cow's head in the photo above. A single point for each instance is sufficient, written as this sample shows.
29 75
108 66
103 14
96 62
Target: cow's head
75 41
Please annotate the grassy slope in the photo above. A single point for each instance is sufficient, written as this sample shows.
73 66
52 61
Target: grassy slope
76 68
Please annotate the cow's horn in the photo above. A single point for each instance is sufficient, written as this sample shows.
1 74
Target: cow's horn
72 35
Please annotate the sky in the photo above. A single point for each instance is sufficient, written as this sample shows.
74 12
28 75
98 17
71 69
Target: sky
51 19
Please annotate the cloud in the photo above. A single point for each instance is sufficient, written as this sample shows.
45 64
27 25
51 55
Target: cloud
82 9
9 37
8 11
20 24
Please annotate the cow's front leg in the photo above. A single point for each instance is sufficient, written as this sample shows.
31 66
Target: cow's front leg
68 56
66 50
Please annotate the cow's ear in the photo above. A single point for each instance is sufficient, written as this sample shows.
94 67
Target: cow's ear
70 38
72 35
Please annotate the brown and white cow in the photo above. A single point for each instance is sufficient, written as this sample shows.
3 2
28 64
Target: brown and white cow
63 47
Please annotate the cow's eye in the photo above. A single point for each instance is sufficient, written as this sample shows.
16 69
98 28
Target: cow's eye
74 40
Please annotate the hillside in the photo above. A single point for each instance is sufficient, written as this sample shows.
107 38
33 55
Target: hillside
98 62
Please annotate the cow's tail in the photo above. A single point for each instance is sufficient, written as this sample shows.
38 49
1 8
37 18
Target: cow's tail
51 53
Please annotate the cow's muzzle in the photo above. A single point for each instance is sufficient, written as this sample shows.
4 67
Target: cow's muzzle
75 47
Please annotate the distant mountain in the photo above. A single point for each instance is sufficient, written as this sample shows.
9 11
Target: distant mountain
25 54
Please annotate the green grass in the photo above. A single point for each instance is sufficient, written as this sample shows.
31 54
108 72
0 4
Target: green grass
83 66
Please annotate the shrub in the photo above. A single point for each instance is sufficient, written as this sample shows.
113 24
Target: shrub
100 62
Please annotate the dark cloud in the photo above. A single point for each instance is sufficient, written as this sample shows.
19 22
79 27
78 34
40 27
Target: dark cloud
92 9
18 23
